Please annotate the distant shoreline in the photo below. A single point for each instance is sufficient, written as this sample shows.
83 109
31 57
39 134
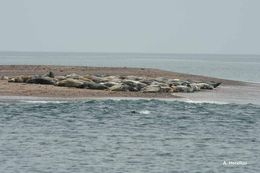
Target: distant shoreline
46 91
134 53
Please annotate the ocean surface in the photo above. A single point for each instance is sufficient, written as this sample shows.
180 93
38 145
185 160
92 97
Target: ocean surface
135 135
128 136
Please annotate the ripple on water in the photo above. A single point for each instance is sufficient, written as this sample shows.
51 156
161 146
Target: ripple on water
128 136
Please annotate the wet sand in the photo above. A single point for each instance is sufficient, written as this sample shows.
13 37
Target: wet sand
47 91
240 94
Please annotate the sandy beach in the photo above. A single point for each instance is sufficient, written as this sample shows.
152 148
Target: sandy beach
49 91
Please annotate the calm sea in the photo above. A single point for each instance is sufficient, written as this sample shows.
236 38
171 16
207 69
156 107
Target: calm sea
132 136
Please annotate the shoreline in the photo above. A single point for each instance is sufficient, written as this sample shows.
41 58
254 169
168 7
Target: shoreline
60 93
45 100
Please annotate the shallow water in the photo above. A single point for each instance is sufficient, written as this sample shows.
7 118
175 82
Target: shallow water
128 136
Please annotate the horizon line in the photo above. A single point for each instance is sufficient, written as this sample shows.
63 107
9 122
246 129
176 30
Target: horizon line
104 52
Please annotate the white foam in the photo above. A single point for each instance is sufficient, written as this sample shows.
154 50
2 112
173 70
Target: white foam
146 112
42 101
204 101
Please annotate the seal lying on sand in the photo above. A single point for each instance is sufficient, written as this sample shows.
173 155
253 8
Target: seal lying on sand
118 83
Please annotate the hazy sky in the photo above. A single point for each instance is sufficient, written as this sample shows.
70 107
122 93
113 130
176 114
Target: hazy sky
151 26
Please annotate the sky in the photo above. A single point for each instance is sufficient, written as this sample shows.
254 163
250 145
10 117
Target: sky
138 26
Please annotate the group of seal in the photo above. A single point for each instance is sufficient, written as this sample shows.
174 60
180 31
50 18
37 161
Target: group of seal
117 83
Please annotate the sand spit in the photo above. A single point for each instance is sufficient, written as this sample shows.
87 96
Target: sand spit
38 90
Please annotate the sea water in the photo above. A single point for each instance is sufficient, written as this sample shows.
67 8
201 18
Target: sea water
128 136
39 135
